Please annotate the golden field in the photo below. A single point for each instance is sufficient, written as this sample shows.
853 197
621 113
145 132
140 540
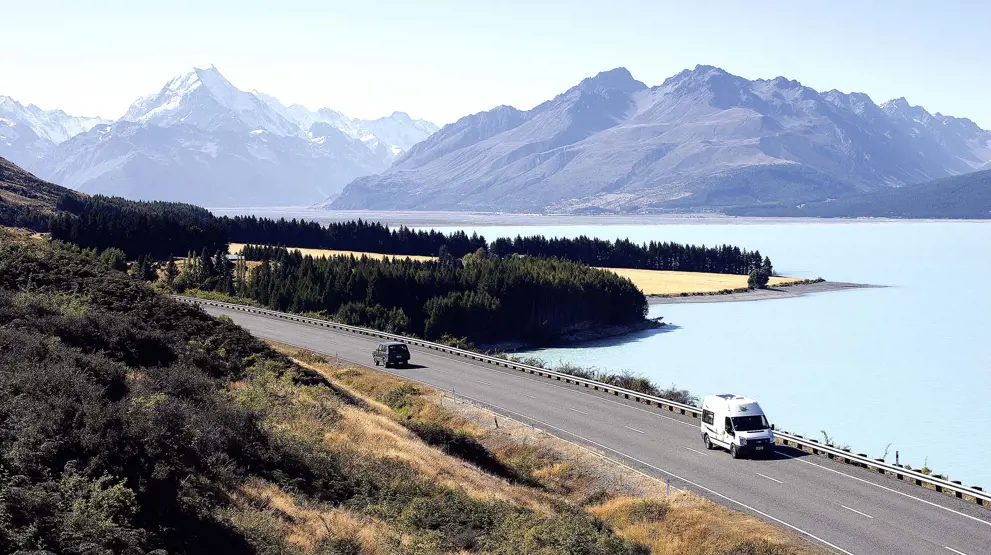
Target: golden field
663 282
235 248
651 282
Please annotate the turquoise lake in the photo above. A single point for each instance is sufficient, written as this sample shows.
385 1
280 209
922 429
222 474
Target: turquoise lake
907 365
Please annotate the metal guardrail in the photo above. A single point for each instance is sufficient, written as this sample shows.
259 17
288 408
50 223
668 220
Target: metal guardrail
969 493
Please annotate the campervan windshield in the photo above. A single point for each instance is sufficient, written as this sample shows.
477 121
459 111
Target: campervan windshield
753 423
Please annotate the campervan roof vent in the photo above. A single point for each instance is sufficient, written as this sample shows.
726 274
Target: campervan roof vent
728 396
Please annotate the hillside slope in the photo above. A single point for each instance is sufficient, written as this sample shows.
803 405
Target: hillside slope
25 200
963 196
703 139
131 423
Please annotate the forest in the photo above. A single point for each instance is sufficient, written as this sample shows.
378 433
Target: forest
355 235
623 253
375 237
483 298
159 229
166 229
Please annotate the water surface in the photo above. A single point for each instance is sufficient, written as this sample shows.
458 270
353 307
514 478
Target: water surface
908 365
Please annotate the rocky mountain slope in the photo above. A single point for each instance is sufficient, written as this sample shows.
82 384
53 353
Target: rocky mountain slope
704 139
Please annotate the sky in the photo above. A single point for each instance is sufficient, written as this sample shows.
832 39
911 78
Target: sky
441 60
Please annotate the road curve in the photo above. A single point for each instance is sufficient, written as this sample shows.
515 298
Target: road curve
844 508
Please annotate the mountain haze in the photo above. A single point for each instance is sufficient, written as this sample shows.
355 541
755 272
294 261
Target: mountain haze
965 196
28 133
200 139
704 139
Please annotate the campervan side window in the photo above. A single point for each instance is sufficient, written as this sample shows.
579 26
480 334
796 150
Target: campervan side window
728 425
708 417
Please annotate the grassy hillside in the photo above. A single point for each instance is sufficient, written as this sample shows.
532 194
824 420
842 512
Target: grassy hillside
129 422
964 196
25 200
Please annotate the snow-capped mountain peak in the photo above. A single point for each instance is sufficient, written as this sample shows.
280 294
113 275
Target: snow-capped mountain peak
52 125
205 99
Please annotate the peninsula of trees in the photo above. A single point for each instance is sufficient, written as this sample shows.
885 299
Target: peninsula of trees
480 297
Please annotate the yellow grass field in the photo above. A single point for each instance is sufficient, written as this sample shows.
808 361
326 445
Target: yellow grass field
235 248
651 282
661 282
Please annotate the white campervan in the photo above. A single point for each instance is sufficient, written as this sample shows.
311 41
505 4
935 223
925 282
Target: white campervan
736 423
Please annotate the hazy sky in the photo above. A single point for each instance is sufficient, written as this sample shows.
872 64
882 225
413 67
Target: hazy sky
440 59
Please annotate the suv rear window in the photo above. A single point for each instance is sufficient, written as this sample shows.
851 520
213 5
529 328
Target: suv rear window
398 349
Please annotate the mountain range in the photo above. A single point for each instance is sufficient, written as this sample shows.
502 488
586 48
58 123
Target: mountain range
202 140
28 133
966 196
702 140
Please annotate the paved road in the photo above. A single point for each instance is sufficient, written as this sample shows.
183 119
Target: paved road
847 509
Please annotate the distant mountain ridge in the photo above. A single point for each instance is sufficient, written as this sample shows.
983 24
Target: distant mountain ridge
965 196
702 140
27 133
200 139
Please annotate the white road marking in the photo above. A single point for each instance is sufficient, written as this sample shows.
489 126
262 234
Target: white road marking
635 430
903 494
671 474
955 551
481 382
769 478
530 396
578 411
699 452
856 511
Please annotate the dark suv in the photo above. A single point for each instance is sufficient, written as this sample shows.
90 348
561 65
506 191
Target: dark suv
391 352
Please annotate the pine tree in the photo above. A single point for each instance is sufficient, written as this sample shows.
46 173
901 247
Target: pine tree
171 272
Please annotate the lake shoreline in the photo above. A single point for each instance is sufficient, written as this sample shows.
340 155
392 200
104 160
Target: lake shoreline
439 218
580 336
781 292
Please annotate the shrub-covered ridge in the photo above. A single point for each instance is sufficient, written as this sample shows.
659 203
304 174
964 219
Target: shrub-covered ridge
131 423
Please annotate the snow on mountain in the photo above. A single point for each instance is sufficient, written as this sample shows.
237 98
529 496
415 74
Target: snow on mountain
702 139
200 139
28 133
397 132
204 99
211 168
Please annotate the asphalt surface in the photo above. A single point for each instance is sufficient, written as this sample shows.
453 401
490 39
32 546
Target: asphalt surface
843 508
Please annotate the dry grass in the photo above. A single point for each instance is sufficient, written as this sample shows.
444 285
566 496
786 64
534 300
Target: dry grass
631 503
689 525
235 248
262 508
380 432
662 282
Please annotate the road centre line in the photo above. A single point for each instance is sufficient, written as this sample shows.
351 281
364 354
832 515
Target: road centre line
856 511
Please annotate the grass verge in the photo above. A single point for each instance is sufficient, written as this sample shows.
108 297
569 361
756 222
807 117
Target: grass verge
542 472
